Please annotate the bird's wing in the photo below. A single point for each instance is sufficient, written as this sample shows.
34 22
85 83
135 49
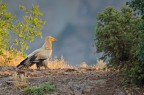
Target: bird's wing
35 52
22 64
26 62
35 57
38 55
43 54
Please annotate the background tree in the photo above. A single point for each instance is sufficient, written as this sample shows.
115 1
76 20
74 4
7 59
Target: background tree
6 19
14 36
120 36
136 72
138 6
29 28
117 34
23 31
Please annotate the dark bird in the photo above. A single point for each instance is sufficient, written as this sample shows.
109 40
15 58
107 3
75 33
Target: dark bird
40 56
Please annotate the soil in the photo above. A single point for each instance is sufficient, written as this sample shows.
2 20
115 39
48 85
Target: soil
78 81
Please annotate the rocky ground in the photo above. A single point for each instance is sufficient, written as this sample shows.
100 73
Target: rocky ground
79 81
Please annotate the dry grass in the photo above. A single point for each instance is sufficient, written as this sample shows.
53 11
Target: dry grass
15 60
19 81
58 63
52 64
100 65
9 59
83 65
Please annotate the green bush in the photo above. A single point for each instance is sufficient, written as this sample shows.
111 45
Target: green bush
117 34
41 89
120 36
135 73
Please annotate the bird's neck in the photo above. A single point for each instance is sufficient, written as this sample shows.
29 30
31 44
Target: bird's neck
47 45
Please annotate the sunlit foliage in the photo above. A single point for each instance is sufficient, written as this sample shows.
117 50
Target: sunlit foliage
14 34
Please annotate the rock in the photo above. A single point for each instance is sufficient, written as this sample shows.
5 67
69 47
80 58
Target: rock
5 68
52 93
99 82
11 83
0 84
119 92
77 92
87 89
70 70
21 72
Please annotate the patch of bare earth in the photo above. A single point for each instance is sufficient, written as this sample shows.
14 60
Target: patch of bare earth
79 81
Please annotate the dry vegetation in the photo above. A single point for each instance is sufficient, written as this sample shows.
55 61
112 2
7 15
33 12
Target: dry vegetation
19 81
58 63
9 59
100 65
83 65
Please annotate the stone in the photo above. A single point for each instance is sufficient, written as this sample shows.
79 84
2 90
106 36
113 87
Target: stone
119 92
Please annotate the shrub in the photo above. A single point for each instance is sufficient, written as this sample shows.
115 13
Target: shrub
100 65
20 81
117 35
58 63
41 89
135 74
120 36
83 65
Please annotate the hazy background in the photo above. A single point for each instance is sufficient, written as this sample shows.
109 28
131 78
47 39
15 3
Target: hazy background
71 22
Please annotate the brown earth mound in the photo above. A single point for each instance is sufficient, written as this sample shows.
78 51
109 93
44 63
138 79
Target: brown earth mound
79 81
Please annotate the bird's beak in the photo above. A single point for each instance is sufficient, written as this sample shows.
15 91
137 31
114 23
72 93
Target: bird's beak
54 40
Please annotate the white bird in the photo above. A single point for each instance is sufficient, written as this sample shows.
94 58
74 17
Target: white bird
39 56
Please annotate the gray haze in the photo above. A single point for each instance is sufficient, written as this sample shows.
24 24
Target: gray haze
71 22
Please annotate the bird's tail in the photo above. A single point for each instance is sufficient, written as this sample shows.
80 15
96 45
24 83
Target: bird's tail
19 66
22 64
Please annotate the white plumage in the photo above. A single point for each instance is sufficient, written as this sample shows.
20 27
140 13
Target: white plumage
39 56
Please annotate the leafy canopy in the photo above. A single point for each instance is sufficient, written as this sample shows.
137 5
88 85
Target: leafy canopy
138 6
135 74
117 34
22 31
5 25
30 27
120 36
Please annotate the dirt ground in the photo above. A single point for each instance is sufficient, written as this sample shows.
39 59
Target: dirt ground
79 81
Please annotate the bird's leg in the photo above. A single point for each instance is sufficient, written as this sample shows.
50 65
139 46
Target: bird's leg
45 66
37 65
27 67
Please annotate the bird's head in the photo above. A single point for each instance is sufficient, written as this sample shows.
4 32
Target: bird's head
50 38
